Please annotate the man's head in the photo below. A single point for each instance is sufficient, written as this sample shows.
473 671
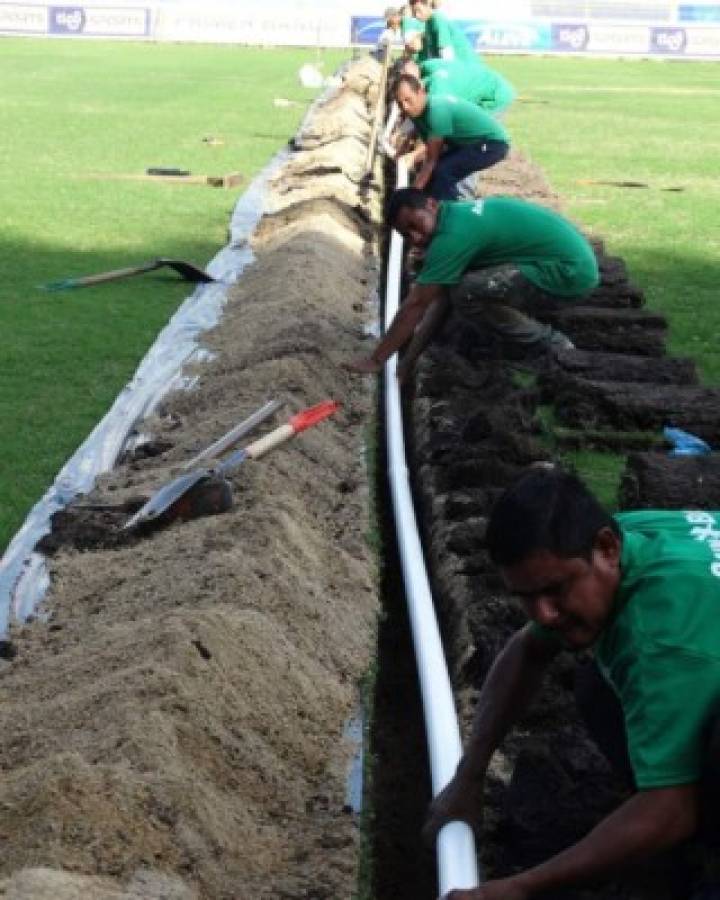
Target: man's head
422 9
414 214
558 550
393 17
410 67
410 95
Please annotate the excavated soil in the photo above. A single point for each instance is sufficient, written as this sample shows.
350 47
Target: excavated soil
174 724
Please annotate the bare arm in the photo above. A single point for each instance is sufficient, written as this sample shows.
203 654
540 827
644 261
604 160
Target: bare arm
647 823
401 329
512 681
433 149
423 335
413 153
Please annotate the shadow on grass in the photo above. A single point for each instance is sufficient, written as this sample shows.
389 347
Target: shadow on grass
66 355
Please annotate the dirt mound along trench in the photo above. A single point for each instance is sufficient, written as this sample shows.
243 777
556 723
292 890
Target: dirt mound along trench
178 720
473 428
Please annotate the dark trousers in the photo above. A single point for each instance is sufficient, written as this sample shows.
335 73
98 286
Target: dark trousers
461 161
600 709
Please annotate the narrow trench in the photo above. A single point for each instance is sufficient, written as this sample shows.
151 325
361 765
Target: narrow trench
403 868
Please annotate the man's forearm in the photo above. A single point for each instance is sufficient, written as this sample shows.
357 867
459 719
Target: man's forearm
647 823
512 681
514 677
423 334
407 317
424 175
433 151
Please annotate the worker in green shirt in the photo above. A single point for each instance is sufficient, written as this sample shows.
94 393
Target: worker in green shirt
484 257
458 138
442 39
399 19
474 82
642 589
409 24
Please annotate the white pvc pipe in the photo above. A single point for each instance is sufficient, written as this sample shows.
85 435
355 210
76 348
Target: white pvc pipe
387 147
456 855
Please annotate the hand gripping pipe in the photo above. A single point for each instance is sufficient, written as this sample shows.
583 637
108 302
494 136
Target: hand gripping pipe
457 861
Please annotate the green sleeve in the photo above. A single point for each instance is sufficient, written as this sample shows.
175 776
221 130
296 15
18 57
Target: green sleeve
447 261
667 701
430 66
438 119
443 34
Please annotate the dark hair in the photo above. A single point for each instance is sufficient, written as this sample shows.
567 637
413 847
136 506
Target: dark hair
396 70
410 80
411 198
546 509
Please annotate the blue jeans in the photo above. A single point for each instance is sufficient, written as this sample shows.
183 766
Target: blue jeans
461 161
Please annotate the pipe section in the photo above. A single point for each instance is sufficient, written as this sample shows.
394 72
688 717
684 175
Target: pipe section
379 114
457 860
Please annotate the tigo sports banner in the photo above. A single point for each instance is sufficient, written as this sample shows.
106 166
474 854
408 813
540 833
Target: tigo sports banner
536 36
99 21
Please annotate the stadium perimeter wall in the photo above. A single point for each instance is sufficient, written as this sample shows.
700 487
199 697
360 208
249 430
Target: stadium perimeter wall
645 28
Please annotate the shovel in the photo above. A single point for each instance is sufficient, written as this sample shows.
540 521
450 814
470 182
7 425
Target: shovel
206 491
235 434
627 184
185 269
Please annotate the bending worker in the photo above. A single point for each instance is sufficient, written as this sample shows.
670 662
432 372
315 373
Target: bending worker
474 82
399 20
441 39
642 589
484 256
458 138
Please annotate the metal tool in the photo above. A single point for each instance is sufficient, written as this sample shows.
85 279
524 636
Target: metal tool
206 491
185 269
235 434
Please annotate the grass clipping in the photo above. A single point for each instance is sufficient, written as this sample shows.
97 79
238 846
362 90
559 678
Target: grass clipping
175 728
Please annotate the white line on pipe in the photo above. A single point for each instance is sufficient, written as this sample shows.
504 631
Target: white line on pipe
457 861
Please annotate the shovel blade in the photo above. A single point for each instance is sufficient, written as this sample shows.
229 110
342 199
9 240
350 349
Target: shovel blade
187 270
165 497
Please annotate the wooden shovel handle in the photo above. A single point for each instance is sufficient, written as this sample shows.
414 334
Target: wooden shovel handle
299 422
273 439
115 274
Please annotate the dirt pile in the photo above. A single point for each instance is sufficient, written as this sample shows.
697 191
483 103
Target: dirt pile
176 727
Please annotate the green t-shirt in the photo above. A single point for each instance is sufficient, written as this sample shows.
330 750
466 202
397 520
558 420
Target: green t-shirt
547 249
661 651
409 25
457 122
474 82
441 34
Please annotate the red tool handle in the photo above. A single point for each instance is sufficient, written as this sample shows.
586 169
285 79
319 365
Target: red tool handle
299 422
312 415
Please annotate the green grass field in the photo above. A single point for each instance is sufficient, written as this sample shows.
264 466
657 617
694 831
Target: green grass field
75 113
72 111
646 121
